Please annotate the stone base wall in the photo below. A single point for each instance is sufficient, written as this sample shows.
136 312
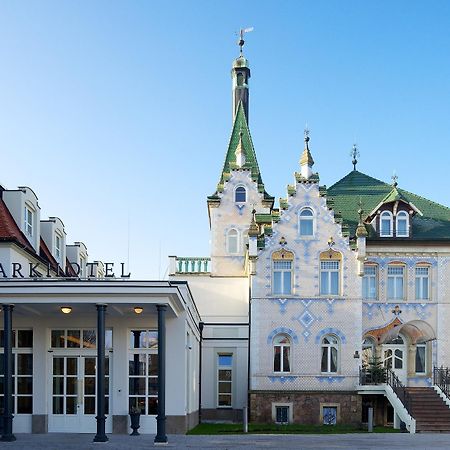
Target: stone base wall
222 415
306 407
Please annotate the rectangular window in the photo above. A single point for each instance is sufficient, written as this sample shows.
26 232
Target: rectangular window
282 414
385 229
421 358
369 282
78 338
28 221
329 278
395 283
422 283
143 371
22 344
57 247
224 380
282 277
329 415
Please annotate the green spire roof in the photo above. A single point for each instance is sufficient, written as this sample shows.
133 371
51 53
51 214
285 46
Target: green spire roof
241 126
345 195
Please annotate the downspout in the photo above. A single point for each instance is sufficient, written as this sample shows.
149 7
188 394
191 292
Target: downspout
200 325
248 343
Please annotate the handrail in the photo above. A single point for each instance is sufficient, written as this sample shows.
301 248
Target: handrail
441 378
384 375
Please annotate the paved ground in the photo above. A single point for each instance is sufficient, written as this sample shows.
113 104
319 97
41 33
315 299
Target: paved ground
247 442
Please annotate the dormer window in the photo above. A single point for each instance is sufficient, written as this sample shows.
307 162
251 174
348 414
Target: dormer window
240 194
28 221
402 224
386 224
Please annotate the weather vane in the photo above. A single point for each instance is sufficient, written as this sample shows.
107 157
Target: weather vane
241 37
394 179
355 155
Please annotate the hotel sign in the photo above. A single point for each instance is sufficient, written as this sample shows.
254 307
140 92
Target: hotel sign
38 270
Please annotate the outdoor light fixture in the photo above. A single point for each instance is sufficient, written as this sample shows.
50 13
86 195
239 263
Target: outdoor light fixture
138 309
356 354
66 309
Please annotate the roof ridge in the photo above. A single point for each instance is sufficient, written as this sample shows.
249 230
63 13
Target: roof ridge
425 199
361 173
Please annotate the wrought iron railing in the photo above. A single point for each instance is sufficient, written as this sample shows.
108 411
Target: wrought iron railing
441 379
383 375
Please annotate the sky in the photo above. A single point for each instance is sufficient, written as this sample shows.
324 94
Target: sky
118 113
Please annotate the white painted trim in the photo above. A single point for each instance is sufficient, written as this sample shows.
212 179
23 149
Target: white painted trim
442 395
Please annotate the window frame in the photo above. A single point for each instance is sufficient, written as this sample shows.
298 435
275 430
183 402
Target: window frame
282 346
425 365
237 241
391 224
308 218
58 246
218 380
28 222
239 188
395 277
279 256
329 271
421 278
329 346
366 282
398 217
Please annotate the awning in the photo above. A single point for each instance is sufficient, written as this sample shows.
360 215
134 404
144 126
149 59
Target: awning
417 330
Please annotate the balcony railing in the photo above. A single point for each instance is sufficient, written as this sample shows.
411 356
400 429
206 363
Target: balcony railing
441 379
190 265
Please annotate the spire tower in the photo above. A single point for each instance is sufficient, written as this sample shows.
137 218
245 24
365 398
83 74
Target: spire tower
306 161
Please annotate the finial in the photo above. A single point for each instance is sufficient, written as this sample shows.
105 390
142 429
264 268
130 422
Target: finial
355 155
394 179
306 133
241 41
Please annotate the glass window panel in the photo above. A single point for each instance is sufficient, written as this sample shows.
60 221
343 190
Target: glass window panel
58 385
89 405
25 338
58 338
89 339
137 364
385 227
89 385
277 283
329 415
72 364
276 359
225 387
107 405
58 405
152 386
225 360
287 283
152 339
137 402
240 194
106 366
109 339
24 385
71 405
390 288
89 366
399 288
286 359
224 375
224 400
306 227
153 364
398 363
334 283
420 359
333 361
58 366
24 405
138 339
25 364
137 386
324 283
152 405
71 386
324 362
282 414
73 339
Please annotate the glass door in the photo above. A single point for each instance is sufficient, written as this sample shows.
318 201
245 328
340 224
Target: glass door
394 358
73 393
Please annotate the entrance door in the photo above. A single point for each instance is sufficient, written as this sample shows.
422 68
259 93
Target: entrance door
394 358
73 402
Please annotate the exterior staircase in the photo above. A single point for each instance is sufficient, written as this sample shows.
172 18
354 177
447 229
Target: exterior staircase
432 414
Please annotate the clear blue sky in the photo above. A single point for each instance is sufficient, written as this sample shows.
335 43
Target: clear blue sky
118 114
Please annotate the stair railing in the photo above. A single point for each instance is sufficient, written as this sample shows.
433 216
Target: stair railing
441 378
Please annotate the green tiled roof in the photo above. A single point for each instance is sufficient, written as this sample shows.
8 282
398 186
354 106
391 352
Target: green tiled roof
344 196
251 164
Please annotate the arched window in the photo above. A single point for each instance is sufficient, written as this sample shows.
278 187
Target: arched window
368 351
240 195
402 224
306 222
386 224
233 241
330 273
282 262
330 354
281 353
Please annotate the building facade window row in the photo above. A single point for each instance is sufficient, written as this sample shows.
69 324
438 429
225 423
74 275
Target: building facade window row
396 282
